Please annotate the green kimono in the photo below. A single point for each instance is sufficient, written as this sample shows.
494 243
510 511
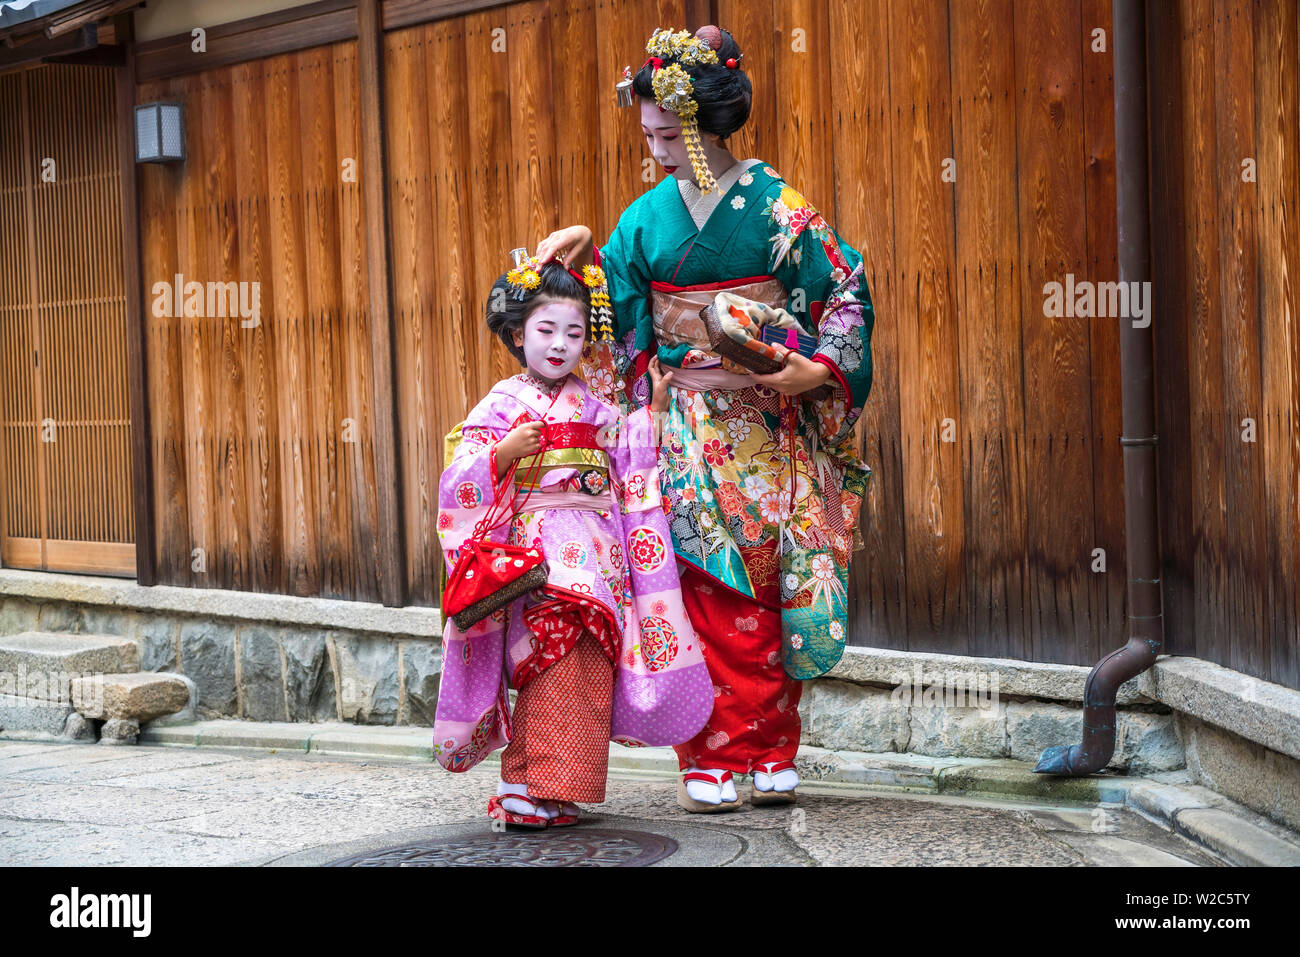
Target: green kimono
762 490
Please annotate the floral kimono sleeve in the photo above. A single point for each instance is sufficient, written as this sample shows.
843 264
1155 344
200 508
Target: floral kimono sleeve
468 481
634 462
662 693
810 258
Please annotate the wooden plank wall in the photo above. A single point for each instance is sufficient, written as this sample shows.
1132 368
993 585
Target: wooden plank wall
263 458
982 545
1228 351
993 428
65 425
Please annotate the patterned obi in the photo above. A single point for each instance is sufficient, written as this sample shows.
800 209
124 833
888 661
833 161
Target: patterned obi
677 322
574 447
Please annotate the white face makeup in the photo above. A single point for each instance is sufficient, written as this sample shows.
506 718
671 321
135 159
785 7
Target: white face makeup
663 137
553 338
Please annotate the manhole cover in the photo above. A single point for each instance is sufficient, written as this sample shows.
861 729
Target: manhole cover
570 847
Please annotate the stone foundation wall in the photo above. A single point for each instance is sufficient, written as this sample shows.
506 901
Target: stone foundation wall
1264 780
262 671
274 658
853 717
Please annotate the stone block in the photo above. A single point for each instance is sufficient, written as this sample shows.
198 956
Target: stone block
142 696
188 714
261 681
78 728
108 620
849 717
156 639
62 617
308 677
421 677
1146 742
367 678
1035 725
19 714
970 732
119 731
17 615
36 664
208 656
1263 780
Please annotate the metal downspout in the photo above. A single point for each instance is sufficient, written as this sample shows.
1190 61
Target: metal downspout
1145 624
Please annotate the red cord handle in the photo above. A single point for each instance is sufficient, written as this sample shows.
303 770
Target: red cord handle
497 514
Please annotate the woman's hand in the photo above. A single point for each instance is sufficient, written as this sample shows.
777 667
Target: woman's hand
569 245
659 382
799 376
523 439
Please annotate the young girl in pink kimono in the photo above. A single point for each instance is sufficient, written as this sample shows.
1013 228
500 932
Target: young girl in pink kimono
604 650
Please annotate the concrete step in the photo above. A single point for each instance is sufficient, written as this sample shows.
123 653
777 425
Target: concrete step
40 665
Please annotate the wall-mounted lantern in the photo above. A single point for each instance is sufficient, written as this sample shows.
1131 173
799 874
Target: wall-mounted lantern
159 133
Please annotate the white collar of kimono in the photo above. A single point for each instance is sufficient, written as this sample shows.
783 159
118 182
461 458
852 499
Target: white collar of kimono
567 403
701 205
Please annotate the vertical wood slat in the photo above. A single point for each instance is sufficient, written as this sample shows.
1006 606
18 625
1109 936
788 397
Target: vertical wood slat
412 252
1234 123
921 135
1171 319
1205 339
1277 121
1109 589
457 302
1059 529
864 215
988 273
392 553
141 505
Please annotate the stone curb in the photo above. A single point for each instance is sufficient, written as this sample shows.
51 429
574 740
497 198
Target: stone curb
1211 820
1233 832
887 667
257 607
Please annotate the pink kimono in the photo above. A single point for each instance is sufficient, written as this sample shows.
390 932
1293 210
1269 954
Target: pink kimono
612 596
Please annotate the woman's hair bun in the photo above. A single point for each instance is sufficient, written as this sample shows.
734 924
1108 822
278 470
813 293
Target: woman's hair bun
710 35
724 94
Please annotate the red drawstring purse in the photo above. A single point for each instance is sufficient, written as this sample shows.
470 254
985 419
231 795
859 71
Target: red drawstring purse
489 575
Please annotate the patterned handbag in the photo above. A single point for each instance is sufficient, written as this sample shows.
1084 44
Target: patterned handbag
756 336
490 575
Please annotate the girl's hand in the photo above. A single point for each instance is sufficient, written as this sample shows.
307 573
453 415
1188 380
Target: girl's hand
798 376
569 245
524 439
659 381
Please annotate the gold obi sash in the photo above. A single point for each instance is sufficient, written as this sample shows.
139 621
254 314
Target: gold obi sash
583 460
676 311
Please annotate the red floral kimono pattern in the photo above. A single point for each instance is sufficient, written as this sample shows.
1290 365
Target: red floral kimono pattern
755 702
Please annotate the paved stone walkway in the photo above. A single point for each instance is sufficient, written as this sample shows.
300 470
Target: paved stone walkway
91 805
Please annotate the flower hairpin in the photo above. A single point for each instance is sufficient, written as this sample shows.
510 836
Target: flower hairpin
602 311
527 274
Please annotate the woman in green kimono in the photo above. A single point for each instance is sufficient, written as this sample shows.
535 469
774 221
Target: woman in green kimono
761 483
